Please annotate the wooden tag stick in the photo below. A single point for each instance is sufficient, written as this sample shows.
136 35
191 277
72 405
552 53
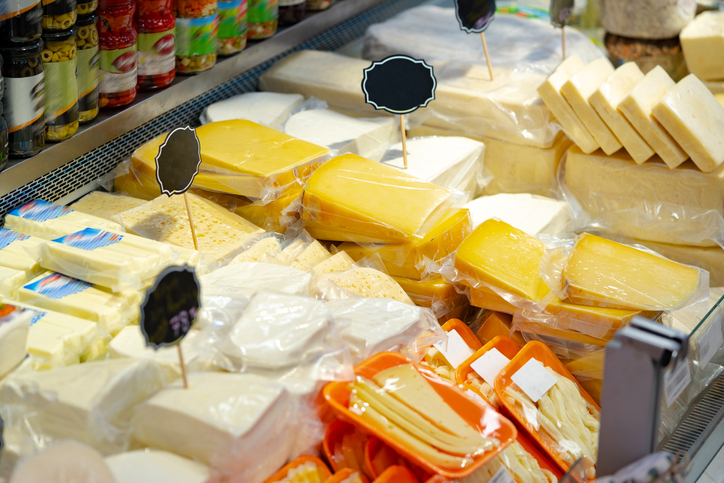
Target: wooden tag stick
563 41
404 139
183 366
191 222
487 56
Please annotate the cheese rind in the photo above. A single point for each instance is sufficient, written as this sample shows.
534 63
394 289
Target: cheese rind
153 466
694 118
638 106
266 108
47 220
702 40
105 205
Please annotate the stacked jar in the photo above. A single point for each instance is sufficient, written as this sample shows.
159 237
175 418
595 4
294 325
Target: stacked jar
3 126
197 25
156 44
60 62
24 81
232 26
88 64
117 63
291 11
263 18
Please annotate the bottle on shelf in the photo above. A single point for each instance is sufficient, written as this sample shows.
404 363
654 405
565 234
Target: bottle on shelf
118 67
60 62
156 44
86 7
24 23
88 65
263 18
197 25
291 11
232 26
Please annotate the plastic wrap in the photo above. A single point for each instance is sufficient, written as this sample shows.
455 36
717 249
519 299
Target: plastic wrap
303 469
105 205
47 220
64 462
14 328
260 249
698 39
10 281
710 259
20 252
266 108
345 447
444 358
358 282
151 466
435 293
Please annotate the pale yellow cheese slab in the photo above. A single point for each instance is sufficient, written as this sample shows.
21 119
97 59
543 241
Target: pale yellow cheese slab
366 282
105 205
702 42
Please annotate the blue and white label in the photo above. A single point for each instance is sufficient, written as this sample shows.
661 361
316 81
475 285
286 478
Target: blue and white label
57 286
9 236
90 239
41 211
36 317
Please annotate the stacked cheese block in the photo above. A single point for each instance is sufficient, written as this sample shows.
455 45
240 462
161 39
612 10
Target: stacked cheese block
699 39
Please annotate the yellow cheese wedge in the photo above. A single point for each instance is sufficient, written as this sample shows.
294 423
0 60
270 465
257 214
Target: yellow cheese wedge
710 259
336 263
360 196
604 273
695 119
637 107
485 298
266 247
105 205
431 290
165 219
20 252
495 324
577 91
368 282
137 186
312 255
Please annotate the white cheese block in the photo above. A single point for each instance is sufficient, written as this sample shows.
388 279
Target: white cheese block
14 329
267 108
450 162
605 101
10 281
702 41
91 403
47 220
278 331
246 279
64 462
638 106
152 466
20 252
577 91
550 92
367 137
222 419
266 247
530 213
695 119
105 205
362 282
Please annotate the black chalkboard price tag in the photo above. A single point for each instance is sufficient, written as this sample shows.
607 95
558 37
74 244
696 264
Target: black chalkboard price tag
170 308
399 85
561 11
177 164
474 17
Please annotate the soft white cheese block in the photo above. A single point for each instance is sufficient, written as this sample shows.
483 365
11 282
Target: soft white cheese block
152 466
20 252
530 213
695 119
702 41
47 220
10 281
605 101
246 279
367 137
268 108
638 106
222 419
63 462
451 162
14 329
91 403
105 205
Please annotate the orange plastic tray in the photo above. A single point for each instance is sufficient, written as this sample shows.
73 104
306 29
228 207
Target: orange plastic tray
397 474
379 456
506 347
464 332
333 434
282 473
342 475
493 424
539 351
542 460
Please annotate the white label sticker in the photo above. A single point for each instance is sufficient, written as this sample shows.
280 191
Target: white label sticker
502 476
476 398
534 380
457 350
711 341
675 381
489 365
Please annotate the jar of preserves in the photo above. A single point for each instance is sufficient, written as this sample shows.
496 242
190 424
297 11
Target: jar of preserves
232 26
118 70
3 141
156 44
291 11
263 18
196 43
24 23
195 8
88 64
114 3
59 56
319 4
59 14
86 7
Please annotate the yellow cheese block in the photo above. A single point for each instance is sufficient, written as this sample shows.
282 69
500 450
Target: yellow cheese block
137 185
497 324
485 298
20 252
165 219
604 273
367 282
363 197
710 259
436 294
105 205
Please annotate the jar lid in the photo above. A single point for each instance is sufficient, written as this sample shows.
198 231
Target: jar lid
17 48
88 19
59 35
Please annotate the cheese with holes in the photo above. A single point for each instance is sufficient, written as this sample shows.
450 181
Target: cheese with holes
604 273
532 214
20 252
354 194
577 91
153 466
367 137
312 255
695 119
702 40
47 220
605 101
365 282
105 205
291 251
266 108
550 92
10 281
165 219
264 248
335 263
14 328
638 107
710 259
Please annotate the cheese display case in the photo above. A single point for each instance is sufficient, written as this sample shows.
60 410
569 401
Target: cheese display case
520 281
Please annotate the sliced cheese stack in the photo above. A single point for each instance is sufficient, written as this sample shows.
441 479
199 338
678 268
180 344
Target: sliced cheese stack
266 108
367 137
701 40
10 281
105 205
153 466
46 220
165 219
532 214
14 328
20 252
361 281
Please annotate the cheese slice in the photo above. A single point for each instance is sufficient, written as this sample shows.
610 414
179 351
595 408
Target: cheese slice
20 252
165 219
638 106
63 462
47 220
578 90
266 108
604 273
550 92
695 119
365 282
710 259
367 137
312 255
354 194
266 247
700 40
605 101
532 214
10 281
153 466
337 262
105 205
14 328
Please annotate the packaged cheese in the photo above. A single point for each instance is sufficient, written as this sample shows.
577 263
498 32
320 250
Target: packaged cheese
266 108
64 462
10 281
46 220
435 293
14 328
710 259
153 466
310 257
105 205
701 40
332 196
367 137
20 252
337 262
360 281
267 247
530 213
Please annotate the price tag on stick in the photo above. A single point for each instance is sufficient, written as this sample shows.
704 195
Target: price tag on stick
177 164
170 308
561 11
399 85
474 16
